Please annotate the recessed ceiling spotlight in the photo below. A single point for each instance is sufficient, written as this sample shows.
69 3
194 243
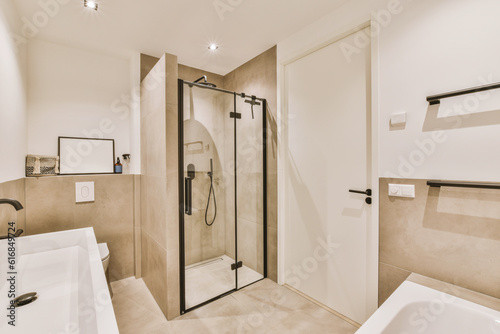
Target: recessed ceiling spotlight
91 4
213 47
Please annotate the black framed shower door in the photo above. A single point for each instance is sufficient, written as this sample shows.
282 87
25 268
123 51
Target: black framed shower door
222 192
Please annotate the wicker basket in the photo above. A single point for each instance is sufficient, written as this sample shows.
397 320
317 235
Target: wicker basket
42 165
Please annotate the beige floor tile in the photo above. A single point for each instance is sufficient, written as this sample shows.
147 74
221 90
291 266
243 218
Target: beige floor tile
213 278
270 294
224 307
300 322
165 328
262 308
226 315
273 305
309 318
136 290
135 308
222 325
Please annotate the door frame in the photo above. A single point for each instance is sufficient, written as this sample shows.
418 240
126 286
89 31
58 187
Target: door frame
373 230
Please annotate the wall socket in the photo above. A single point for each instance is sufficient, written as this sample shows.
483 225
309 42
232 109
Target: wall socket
402 190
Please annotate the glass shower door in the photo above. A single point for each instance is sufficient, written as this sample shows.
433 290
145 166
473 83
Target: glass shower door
250 192
209 188
223 224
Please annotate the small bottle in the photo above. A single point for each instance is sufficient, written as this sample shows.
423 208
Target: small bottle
118 166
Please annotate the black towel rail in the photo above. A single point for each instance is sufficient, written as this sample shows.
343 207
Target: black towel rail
460 184
436 99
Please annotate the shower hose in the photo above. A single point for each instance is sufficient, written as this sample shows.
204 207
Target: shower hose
210 192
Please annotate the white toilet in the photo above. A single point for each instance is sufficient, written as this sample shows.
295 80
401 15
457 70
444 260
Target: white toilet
104 252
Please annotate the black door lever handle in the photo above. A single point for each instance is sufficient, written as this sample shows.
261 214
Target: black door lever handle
368 192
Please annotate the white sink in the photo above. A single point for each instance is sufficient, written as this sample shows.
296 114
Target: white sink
65 269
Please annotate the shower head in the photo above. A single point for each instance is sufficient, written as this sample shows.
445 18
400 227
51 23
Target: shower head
209 84
204 78
205 82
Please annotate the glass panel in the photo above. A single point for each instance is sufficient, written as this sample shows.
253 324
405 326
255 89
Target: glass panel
208 171
250 192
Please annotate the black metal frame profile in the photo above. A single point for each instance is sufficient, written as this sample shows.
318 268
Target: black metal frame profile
436 99
463 184
182 253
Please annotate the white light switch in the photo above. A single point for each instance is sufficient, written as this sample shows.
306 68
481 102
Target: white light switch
398 119
402 190
84 192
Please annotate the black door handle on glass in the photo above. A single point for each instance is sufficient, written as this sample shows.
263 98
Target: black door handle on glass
188 200
188 190
367 192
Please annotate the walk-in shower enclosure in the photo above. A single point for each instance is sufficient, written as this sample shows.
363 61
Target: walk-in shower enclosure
222 192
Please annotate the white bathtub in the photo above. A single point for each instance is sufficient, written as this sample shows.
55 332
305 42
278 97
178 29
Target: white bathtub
65 269
416 309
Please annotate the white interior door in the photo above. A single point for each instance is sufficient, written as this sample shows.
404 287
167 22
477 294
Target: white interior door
329 152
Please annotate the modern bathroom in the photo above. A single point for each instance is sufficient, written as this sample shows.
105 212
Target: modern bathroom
235 166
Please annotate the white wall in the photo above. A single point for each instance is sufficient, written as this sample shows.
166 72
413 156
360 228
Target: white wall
12 95
427 47
76 93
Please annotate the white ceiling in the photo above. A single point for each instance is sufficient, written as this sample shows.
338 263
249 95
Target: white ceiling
243 28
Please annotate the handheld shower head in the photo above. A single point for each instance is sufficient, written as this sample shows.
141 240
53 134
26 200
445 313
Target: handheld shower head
211 193
211 173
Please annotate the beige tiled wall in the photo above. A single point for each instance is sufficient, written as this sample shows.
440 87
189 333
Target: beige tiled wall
12 190
137 226
159 185
449 234
51 207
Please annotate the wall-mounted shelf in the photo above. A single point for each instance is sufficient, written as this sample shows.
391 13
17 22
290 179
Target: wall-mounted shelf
436 99
460 184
